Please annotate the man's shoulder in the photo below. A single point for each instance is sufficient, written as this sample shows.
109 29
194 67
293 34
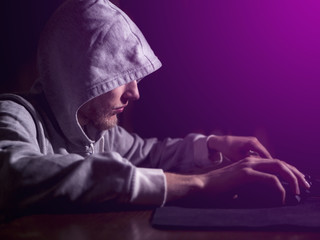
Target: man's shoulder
11 101
18 105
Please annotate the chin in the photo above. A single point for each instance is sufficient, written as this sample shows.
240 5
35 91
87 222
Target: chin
107 123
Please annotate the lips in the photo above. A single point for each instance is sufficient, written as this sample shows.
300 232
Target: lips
118 109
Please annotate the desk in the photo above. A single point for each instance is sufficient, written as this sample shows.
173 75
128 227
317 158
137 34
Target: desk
131 225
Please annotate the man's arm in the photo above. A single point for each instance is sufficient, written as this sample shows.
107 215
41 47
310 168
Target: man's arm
180 155
176 155
31 176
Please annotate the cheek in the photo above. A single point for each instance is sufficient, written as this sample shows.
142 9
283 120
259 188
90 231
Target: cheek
106 102
110 98
103 110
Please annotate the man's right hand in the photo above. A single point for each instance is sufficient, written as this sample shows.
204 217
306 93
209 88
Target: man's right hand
266 174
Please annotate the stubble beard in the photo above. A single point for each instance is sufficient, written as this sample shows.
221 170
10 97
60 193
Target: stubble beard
106 122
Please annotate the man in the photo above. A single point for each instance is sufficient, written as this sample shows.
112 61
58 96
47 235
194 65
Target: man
61 146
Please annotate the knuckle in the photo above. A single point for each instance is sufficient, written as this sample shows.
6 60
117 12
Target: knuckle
293 168
246 171
281 165
246 162
277 162
253 141
274 179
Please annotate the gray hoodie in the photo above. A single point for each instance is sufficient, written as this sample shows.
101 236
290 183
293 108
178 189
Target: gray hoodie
88 48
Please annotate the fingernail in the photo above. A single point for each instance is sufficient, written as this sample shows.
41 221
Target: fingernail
253 153
307 184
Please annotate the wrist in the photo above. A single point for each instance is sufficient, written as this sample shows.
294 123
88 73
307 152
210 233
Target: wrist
182 187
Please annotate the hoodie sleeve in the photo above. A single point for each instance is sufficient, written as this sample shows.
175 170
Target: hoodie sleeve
29 178
179 155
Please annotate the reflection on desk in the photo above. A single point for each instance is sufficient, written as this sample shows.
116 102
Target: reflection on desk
133 225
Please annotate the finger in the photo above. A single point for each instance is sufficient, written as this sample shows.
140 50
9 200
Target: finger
289 176
270 181
279 168
300 176
296 180
262 151
257 147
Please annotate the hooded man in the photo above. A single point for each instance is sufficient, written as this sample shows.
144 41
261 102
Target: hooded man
60 145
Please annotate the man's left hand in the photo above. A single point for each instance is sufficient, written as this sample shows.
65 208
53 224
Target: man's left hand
236 148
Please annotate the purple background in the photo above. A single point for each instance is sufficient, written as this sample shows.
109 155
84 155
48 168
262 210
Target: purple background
245 67
234 67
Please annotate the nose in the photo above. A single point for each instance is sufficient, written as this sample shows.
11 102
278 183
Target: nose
131 91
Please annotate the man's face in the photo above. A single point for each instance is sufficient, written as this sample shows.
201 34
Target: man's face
102 111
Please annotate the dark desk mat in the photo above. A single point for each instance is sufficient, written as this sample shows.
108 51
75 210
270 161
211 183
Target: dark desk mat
304 216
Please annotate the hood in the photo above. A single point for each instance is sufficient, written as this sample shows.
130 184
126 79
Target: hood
88 48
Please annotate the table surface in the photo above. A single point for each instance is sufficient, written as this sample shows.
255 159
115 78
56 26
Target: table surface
131 224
